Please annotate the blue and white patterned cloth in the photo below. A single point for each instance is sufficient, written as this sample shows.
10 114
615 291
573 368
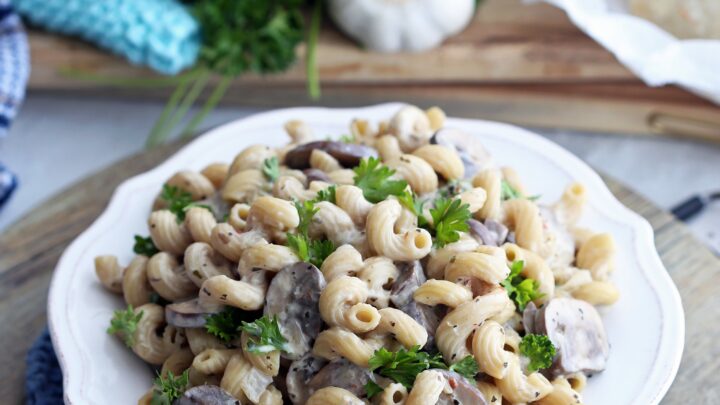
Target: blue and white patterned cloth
161 34
43 377
14 72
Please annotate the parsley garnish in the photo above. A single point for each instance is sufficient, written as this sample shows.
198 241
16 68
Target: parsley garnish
144 246
327 194
271 169
539 350
224 325
168 389
521 290
179 201
508 192
467 367
125 323
265 335
372 388
308 250
404 365
449 219
347 138
375 182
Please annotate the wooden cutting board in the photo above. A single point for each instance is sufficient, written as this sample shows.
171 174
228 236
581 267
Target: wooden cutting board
30 250
525 64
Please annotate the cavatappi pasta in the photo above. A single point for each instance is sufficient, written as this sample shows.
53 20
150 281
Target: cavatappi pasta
292 275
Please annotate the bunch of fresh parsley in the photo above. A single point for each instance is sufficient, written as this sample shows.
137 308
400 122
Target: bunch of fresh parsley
539 350
124 323
169 388
521 290
403 366
238 37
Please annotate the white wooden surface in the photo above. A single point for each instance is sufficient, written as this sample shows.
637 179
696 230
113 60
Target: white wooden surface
58 140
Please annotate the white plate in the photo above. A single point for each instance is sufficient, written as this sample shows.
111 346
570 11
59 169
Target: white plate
646 326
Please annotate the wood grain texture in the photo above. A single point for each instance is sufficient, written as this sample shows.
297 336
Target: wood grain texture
30 249
525 64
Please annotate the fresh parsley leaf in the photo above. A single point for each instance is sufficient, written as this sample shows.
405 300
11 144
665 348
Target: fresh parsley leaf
521 290
155 298
327 194
311 251
372 388
168 389
539 350
179 201
306 210
271 168
144 246
125 323
508 192
319 250
375 182
404 365
347 138
467 367
224 325
249 36
449 219
410 201
265 335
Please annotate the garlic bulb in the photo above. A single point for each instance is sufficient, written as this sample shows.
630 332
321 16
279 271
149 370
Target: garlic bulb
401 25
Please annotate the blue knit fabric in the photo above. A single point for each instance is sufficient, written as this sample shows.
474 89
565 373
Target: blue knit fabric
43 378
159 33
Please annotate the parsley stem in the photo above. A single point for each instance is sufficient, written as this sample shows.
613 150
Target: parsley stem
180 90
188 101
311 68
212 101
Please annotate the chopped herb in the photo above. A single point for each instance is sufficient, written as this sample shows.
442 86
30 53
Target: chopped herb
347 138
467 367
168 389
449 219
521 290
375 180
508 192
271 169
404 365
265 335
179 201
539 350
311 251
125 323
327 194
144 246
224 325
307 249
155 298
372 388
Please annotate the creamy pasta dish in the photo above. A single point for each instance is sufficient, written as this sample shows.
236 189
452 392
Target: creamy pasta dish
396 265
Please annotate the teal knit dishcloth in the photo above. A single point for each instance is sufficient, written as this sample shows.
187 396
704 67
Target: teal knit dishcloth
158 33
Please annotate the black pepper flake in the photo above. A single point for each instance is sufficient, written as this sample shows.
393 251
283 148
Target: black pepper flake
205 290
537 394
505 364
494 399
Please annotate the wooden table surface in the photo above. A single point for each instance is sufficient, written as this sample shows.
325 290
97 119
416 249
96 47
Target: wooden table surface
30 249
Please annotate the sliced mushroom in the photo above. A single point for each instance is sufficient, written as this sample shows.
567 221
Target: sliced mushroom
316 175
473 155
347 154
577 331
299 374
491 232
401 296
462 391
293 296
343 374
188 314
206 395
